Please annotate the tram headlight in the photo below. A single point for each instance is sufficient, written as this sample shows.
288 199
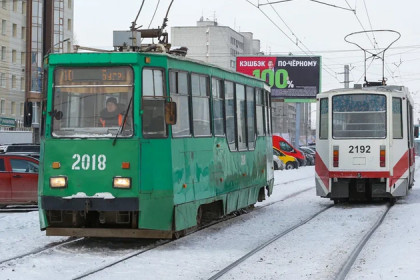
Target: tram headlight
58 182
121 182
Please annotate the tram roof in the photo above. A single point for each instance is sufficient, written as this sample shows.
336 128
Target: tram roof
55 59
400 90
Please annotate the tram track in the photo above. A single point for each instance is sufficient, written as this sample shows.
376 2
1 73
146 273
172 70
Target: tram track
359 247
265 244
77 244
43 249
207 225
296 180
19 209
127 257
345 267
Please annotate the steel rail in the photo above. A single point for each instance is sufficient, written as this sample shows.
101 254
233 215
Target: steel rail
40 250
262 246
225 218
356 251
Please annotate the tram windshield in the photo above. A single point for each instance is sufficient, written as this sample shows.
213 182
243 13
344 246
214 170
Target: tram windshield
359 116
92 102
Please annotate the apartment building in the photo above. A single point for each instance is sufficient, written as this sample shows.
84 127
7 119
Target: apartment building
13 30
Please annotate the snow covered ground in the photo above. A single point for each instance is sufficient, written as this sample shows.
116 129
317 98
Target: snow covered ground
313 251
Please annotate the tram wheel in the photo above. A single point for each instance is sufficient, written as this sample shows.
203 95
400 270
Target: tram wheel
392 200
199 216
179 234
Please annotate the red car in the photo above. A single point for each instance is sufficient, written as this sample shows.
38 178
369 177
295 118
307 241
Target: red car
287 148
18 179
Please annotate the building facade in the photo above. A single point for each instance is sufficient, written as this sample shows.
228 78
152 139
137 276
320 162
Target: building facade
13 15
219 45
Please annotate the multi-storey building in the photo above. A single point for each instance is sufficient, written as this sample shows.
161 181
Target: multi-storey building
212 43
13 51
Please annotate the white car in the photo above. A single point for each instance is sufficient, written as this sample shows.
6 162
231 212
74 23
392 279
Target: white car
277 163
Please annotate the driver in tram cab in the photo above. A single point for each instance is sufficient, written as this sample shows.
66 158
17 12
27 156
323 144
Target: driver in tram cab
111 115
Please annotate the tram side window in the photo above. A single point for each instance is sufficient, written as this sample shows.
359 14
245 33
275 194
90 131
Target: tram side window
230 115
200 104
397 129
323 120
260 112
153 117
268 112
241 117
218 107
178 86
410 124
250 114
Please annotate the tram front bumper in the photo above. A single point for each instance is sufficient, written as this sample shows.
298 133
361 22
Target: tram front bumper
90 203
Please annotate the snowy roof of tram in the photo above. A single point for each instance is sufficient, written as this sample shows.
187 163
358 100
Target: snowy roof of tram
399 90
391 88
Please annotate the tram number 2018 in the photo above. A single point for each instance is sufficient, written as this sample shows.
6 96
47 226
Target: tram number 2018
359 149
89 162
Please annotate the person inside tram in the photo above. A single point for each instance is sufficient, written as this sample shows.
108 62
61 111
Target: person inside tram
111 115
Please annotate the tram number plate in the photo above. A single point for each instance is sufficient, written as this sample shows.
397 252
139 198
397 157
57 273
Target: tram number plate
359 149
89 162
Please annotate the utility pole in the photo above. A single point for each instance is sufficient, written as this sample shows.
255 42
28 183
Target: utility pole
346 76
34 74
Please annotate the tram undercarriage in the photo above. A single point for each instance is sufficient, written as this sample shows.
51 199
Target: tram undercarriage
368 189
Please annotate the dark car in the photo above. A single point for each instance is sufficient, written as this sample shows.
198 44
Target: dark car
18 179
31 150
309 155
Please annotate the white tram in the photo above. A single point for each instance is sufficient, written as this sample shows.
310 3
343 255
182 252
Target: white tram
365 143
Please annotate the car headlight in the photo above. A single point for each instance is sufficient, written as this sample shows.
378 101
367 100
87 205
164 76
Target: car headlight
58 182
121 182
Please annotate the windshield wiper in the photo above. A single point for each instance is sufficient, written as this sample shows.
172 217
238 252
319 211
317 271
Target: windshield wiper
123 123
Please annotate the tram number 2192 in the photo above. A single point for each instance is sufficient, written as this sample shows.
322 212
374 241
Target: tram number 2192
89 162
359 149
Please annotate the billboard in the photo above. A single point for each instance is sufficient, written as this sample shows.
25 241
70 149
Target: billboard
288 76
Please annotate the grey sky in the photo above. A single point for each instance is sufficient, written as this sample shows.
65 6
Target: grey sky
319 30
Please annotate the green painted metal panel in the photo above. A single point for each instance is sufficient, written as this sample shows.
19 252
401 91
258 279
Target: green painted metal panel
171 177
90 166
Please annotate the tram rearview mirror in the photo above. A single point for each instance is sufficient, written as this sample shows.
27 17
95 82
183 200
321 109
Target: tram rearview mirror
416 132
170 113
27 114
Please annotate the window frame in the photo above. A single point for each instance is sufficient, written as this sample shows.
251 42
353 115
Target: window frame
174 70
238 120
235 148
321 135
254 137
208 97
401 130
262 105
58 85
222 100
386 113
164 97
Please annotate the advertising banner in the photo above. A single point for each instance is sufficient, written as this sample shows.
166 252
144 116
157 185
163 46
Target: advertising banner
288 76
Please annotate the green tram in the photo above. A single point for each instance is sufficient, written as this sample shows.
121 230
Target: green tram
192 141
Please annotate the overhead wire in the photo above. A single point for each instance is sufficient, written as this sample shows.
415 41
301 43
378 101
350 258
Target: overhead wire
297 39
287 36
157 5
331 5
134 23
